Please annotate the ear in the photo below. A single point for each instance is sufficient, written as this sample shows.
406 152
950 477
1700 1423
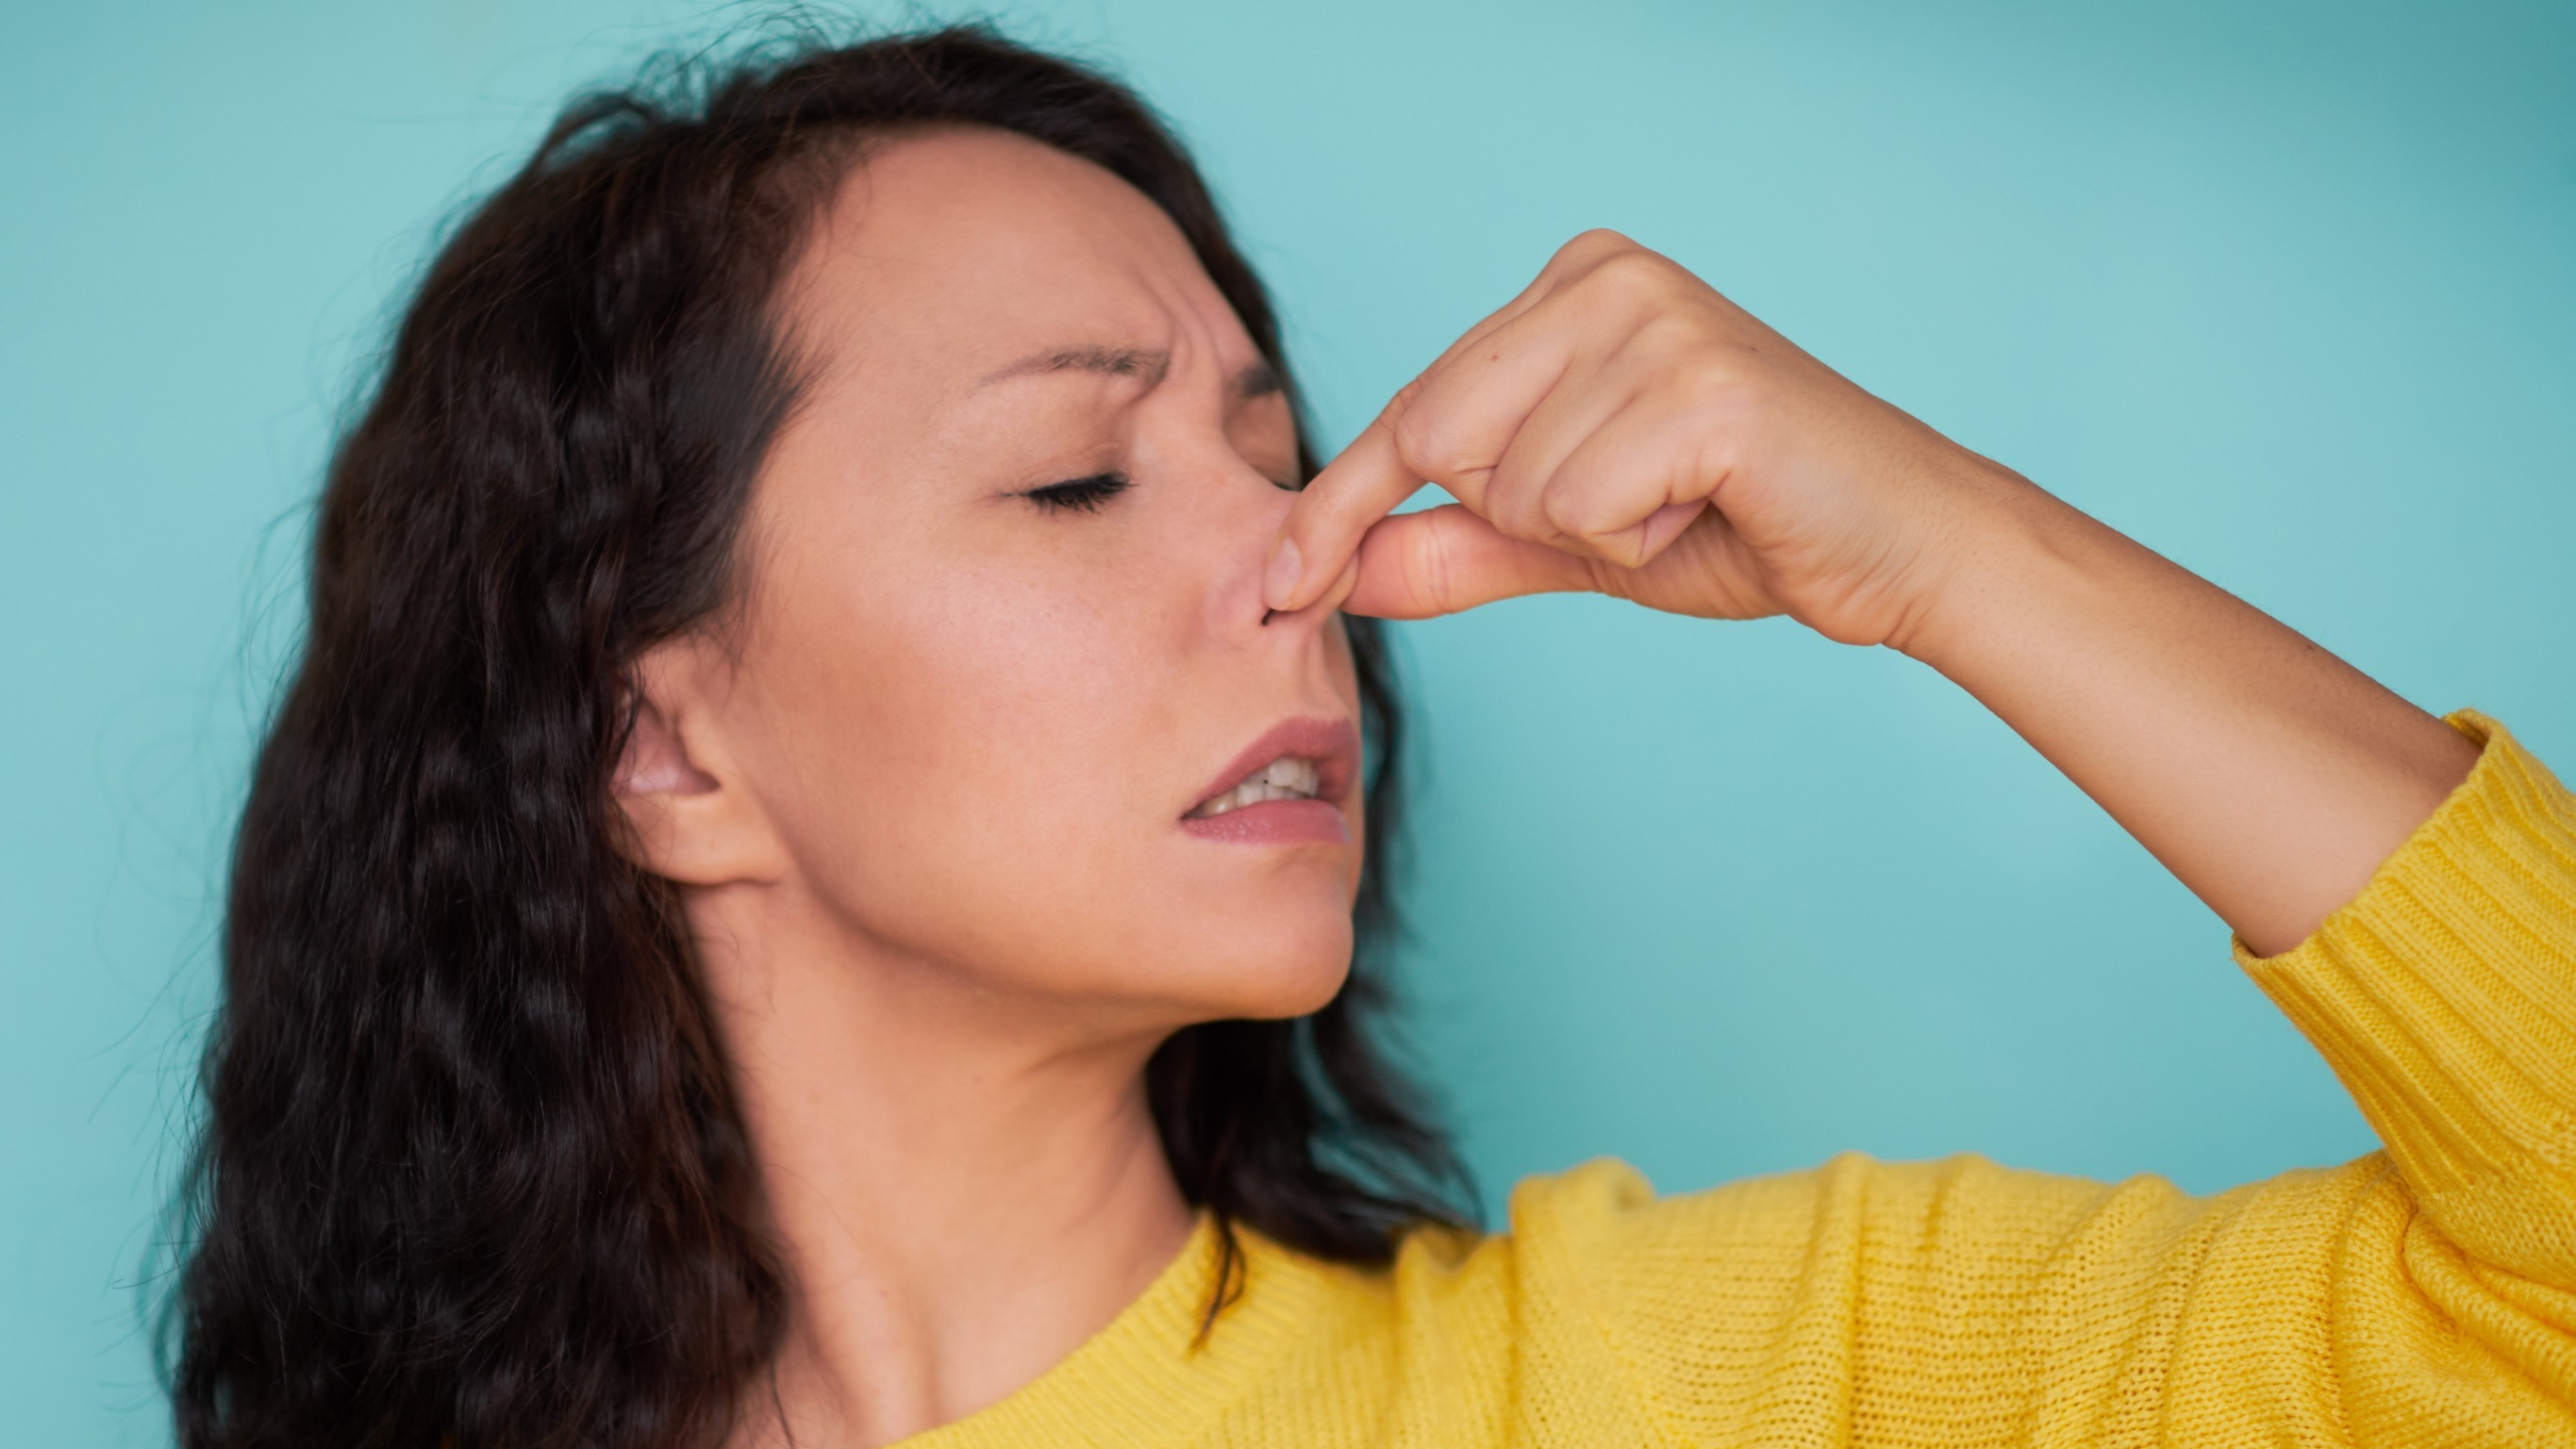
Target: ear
690 816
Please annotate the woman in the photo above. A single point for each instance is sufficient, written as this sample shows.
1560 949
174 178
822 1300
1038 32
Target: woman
805 888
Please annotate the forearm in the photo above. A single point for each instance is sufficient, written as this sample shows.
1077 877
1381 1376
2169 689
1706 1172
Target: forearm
1621 426
2269 776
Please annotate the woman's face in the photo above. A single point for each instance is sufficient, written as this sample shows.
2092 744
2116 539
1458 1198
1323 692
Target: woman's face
1003 641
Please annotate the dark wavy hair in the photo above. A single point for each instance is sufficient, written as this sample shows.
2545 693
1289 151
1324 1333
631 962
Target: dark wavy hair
472 1173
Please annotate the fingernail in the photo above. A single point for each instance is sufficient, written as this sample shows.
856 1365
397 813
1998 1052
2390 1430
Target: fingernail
1279 584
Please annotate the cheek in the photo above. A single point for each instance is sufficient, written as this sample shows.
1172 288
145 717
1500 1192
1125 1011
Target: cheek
986 771
962 731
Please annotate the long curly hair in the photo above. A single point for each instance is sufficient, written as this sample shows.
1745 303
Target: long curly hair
472 1173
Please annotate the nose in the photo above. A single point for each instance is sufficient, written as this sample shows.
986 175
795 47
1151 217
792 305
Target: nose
1244 530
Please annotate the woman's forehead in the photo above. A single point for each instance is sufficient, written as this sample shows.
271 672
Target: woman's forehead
949 253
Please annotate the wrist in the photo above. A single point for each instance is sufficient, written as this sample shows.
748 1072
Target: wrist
2000 541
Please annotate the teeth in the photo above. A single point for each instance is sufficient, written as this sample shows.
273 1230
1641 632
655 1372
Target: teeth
1284 778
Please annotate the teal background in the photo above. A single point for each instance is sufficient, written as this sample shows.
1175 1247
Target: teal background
2286 291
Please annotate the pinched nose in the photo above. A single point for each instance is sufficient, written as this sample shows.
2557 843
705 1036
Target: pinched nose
1243 550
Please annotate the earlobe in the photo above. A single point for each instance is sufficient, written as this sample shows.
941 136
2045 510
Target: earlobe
686 819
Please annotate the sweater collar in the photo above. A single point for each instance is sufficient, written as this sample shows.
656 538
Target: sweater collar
1149 1378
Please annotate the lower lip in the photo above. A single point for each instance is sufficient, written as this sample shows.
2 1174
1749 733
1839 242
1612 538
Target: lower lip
1275 822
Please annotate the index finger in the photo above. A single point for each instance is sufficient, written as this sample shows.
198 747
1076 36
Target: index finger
1365 482
1324 526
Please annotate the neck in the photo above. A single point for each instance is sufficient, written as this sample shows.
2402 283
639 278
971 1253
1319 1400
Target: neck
963 1189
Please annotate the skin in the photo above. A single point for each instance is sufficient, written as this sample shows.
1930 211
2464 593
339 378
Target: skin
1621 427
922 791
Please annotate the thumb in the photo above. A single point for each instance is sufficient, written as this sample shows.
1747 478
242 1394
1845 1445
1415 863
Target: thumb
1442 560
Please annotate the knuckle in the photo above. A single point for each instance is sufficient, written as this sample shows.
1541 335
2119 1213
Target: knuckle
1585 529
1594 243
1631 277
1431 446
1679 354
1530 524
1709 378
1516 509
1563 508
1574 516
1638 267
1677 335
1584 254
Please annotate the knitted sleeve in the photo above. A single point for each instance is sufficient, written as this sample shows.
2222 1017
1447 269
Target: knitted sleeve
2423 1295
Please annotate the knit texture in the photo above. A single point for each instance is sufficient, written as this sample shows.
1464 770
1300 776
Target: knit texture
2422 1295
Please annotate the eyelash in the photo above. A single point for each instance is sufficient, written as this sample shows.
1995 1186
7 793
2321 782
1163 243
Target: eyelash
1084 494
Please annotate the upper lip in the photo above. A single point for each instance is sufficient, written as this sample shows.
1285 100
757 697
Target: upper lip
1333 744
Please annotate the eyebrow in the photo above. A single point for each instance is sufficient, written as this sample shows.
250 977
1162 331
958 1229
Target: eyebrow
1256 379
1259 379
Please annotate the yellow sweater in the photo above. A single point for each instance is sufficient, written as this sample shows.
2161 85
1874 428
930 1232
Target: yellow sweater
2423 1295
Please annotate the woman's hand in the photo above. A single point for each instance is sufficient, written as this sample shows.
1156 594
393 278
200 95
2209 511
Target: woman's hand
1621 427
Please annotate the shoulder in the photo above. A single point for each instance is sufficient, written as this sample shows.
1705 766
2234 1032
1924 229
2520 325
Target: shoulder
1611 1304
1688 1315
1605 1211
1598 1245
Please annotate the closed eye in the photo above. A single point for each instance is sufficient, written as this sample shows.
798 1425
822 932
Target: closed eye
1086 494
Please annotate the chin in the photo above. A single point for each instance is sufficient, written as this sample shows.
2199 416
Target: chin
1285 965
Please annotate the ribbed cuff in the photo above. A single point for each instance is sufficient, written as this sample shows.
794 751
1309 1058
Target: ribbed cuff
2444 997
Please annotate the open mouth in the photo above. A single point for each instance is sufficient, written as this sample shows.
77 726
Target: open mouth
1285 778
1286 786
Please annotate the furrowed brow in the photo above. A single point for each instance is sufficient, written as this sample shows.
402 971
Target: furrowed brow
1143 362
1258 379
